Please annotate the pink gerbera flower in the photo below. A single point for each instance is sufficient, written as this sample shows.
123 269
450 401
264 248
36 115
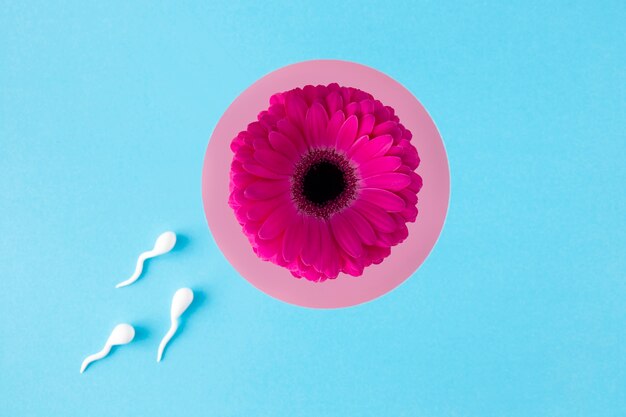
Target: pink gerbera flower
324 182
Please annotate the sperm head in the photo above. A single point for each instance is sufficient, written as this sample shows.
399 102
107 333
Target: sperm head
121 335
165 242
180 302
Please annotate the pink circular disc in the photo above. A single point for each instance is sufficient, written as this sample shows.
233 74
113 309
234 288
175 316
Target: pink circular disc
376 279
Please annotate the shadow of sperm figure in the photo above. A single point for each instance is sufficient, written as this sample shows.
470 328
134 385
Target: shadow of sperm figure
182 242
142 333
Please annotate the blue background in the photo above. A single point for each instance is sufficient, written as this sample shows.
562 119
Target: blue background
105 114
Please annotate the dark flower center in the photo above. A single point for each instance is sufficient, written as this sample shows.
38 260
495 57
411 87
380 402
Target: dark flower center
324 182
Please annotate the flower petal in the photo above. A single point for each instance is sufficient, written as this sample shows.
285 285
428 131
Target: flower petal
237 197
376 216
294 239
334 102
382 113
409 196
268 250
361 226
260 171
261 209
274 161
243 179
346 236
366 124
409 213
309 93
383 199
411 158
262 190
315 124
257 129
377 253
251 229
384 128
312 274
277 222
375 147
332 130
379 165
386 239
389 181
367 106
352 108
347 133
416 182
357 145
244 153
259 142
353 266
311 251
329 252
284 145
293 133
296 109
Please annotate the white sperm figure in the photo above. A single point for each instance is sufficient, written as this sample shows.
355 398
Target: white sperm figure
122 334
164 243
180 302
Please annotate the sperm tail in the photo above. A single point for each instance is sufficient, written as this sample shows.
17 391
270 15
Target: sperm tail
166 340
96 356
138 269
